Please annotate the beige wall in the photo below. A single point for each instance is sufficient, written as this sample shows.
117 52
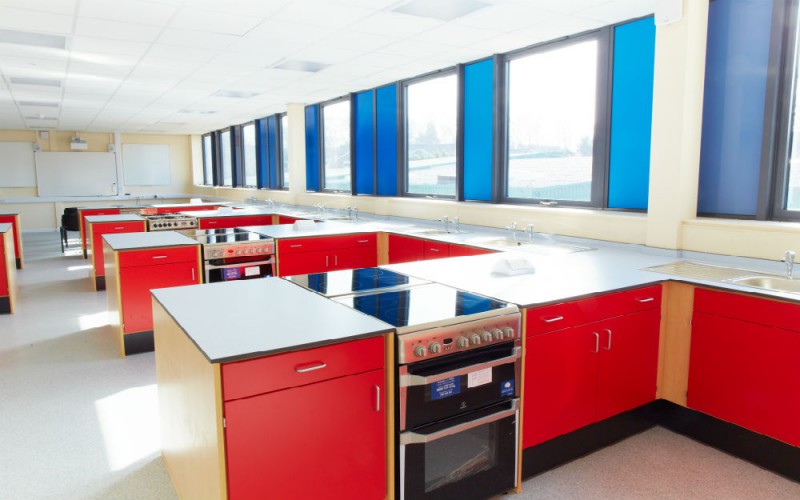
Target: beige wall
46 214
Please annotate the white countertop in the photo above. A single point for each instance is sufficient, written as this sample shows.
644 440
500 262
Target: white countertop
235 320
114 218
237 212
155 239
324 228
5 227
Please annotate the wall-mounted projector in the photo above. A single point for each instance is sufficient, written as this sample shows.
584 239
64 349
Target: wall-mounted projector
78 144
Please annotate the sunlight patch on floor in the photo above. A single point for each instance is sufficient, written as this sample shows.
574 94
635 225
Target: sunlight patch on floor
129 424
96 320
79 268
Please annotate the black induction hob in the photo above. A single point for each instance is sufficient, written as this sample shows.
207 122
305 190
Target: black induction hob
228 235
354 281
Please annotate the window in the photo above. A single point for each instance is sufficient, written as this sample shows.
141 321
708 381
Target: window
552 113
208 161
249 154
431 126
285 151
225 157
336 145
788 199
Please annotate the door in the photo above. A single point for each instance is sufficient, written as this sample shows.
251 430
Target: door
324 440
354 258
303 263
746 374
136 283
461 250
405 249
560 382
628 362
436 250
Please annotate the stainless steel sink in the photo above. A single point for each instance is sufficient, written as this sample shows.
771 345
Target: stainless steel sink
769 283
501 242
532 247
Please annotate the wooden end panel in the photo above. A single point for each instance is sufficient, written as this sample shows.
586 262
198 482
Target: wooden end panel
677 305
114 294
190 406
383 248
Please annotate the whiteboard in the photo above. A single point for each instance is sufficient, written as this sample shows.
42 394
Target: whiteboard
146 164
17 168
76 174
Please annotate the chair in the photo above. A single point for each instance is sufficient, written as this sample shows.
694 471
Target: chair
69 222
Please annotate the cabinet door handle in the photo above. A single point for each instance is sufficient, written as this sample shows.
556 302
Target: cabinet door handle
212 222
192 274
646 299
159 256
335 260
596 342
118 228
378 398
434 249
326 261
608 347
553 320
363 241
296 246
311 368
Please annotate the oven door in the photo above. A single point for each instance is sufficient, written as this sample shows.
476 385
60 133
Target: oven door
238 271
471 457
445 387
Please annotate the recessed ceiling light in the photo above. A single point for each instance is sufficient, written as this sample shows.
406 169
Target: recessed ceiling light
46 82
236 94
34 39
307 66
38 104
444 10
40 118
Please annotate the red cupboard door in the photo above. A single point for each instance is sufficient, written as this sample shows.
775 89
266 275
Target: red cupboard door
354 258
324 440
628 362
101 228
560 383
746 374
3 271
135 284
461 250
304 263
436 250
405 249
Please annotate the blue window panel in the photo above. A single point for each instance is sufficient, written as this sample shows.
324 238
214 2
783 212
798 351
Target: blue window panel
631 114
386 129
364 147
272 140
262 158
478 130
737 60
312 148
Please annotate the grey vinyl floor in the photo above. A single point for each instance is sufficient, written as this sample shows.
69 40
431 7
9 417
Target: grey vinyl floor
79 422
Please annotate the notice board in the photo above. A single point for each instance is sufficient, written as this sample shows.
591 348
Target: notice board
76 174
146 164
17 168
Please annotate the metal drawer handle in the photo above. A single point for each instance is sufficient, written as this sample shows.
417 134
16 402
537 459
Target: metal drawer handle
434 249
120 227
296 246
378 398
648 299
159 256
596 342
414 438
553 320
413 380
311 368
608 347
363 241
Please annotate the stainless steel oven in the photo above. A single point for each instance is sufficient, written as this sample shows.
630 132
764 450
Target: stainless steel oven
233 254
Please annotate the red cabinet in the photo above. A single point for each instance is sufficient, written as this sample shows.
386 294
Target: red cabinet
462 251
8 288
405 249
326 253
13 219
285 219
96 232
82 214
326 427
435 250
601 361
234 221
744 365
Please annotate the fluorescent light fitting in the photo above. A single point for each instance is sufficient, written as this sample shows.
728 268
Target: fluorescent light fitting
235 94
307 66
444 10
40 118
38 104
45 82
197 111
34 39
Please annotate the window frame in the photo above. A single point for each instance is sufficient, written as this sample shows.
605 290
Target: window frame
402 151
321 131
280 153
243 154
220 181
212 170
602 120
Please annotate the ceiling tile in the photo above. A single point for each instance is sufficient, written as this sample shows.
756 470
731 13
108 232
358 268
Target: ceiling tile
36 21
84 45
177 53
324 54
395 25
619 10
570 6
551 30
357 41
214 22
128 11
114 30
260 8
415 48
66 7
507 18
323 13
195 39
290 31
457 34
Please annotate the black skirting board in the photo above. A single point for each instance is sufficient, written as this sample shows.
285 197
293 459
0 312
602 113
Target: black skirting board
100 283
760 450
5 305
138 342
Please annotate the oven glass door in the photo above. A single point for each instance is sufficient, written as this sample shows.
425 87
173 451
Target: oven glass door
445 387
238 271
472 457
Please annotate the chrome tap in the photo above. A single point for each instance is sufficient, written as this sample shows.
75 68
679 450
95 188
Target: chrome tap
270 204
446 224
355 213
349 212
530 233
513 229
457 223
788 258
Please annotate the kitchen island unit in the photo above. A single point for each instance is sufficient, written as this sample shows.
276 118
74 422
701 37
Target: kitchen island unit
262 383
8 284
13 219
98 225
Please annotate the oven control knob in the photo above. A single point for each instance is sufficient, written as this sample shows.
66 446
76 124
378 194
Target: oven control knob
475 339
498 334
509 332
435 348
419 351
462 342
486 336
